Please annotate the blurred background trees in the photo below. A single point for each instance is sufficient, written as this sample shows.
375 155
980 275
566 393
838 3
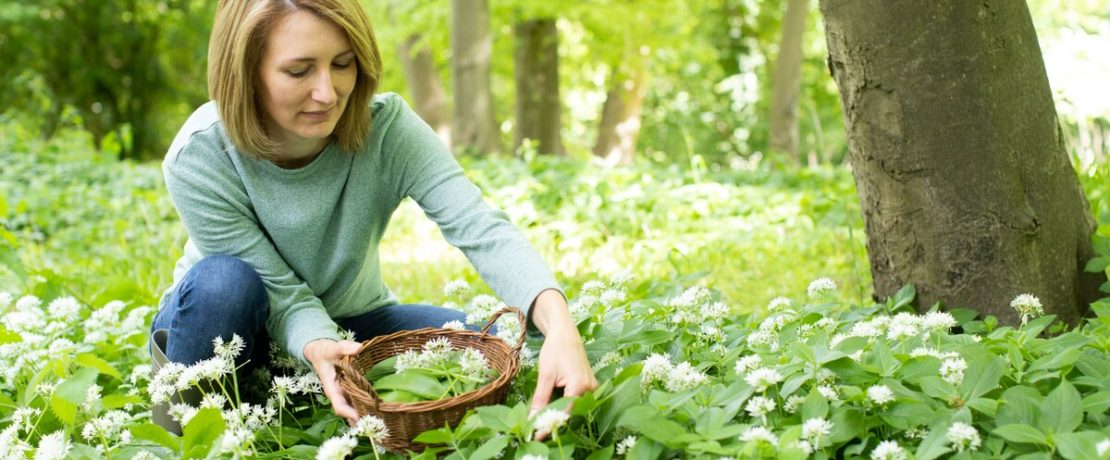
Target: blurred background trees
707 82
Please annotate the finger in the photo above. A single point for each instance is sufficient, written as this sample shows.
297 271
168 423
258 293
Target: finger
544 386
348 348
336 396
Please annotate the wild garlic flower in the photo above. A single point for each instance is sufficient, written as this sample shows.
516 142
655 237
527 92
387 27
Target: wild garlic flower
759 407
759 434
828 392
213 401
550 420
685 377
612 297
22 418
407 360
107 426
761 338
10 444
793 403
762 378
952 370
336 448
183 413
92 396
283 386
963 436
621 278
816 427
657 368
64 308
228 350
593 287
903 326
888 450
5 299
938 321
773 323
779 304
437 350
237 442
54 446
456 288
533 457
372 428
747 363
821 287
253 417
880 394
455 325
608 359
1103 447
473 363
1028 306
626 445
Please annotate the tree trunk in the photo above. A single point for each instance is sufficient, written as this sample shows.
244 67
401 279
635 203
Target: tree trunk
787 81
965 186
537 85
620 115
471 48
428 97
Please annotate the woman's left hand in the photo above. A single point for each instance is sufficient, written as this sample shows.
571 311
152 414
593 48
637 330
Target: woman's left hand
562 360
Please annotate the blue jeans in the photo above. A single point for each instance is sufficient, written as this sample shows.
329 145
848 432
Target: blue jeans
222 295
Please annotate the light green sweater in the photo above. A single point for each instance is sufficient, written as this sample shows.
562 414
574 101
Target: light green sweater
312 233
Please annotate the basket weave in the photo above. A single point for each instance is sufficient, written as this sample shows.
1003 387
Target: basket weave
406 420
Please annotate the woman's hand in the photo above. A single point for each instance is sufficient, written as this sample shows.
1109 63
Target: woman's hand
562 361
323 354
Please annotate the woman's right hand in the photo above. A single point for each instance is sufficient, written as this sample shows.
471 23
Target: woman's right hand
323 354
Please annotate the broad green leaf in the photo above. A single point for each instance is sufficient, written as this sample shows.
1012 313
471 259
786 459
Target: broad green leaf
437 436
1019 405
1098 264
398 396
904 296
848 424
424 386
625 395
1097 403
981 377
814 406
1079 446
156 434
1019 432
1062 410
605 453
116 401
934 445
495 418
199 434
1053 361
10 258
72 393
906 414
95 362
985 406
491 448
937 388
647 421
884 360
1034 327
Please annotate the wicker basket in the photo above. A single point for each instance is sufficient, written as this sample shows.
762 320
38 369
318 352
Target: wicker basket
406 420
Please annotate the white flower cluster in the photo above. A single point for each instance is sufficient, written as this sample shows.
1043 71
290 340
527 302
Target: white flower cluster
888 450
658 369
105 323
779 304
108 426
625 445
340 447
814 428
952 370
456 288
1028 306
759 434
963 436
437 352
695 306
763 377
54 446
550 420
760 406
880 394
821 287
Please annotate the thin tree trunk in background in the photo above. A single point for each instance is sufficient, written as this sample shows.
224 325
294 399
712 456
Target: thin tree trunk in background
537 85
428 97
787 82
966 188
475 126
619 127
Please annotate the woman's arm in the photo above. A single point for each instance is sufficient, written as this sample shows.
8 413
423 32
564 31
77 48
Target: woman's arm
562 361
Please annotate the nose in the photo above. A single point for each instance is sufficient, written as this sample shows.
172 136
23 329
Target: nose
323 89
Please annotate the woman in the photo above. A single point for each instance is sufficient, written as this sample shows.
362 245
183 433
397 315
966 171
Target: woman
286 182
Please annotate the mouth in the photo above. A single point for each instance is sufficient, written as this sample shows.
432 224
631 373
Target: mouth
319 114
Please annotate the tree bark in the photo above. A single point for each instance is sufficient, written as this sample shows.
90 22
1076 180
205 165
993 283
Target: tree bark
619 127
787 82
537 85
428 97
472 47
966 188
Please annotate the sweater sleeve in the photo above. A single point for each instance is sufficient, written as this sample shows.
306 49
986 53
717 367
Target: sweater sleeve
217 213
424 170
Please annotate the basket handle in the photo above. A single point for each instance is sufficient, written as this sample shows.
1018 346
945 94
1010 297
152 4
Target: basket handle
523 325
344 368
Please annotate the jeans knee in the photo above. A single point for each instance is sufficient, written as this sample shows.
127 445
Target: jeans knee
228 284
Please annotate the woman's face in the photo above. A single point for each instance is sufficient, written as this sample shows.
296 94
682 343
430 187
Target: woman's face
307 71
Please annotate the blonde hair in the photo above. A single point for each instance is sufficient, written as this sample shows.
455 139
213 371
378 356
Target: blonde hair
239 38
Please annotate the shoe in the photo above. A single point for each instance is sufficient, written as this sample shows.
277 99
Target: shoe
160 413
